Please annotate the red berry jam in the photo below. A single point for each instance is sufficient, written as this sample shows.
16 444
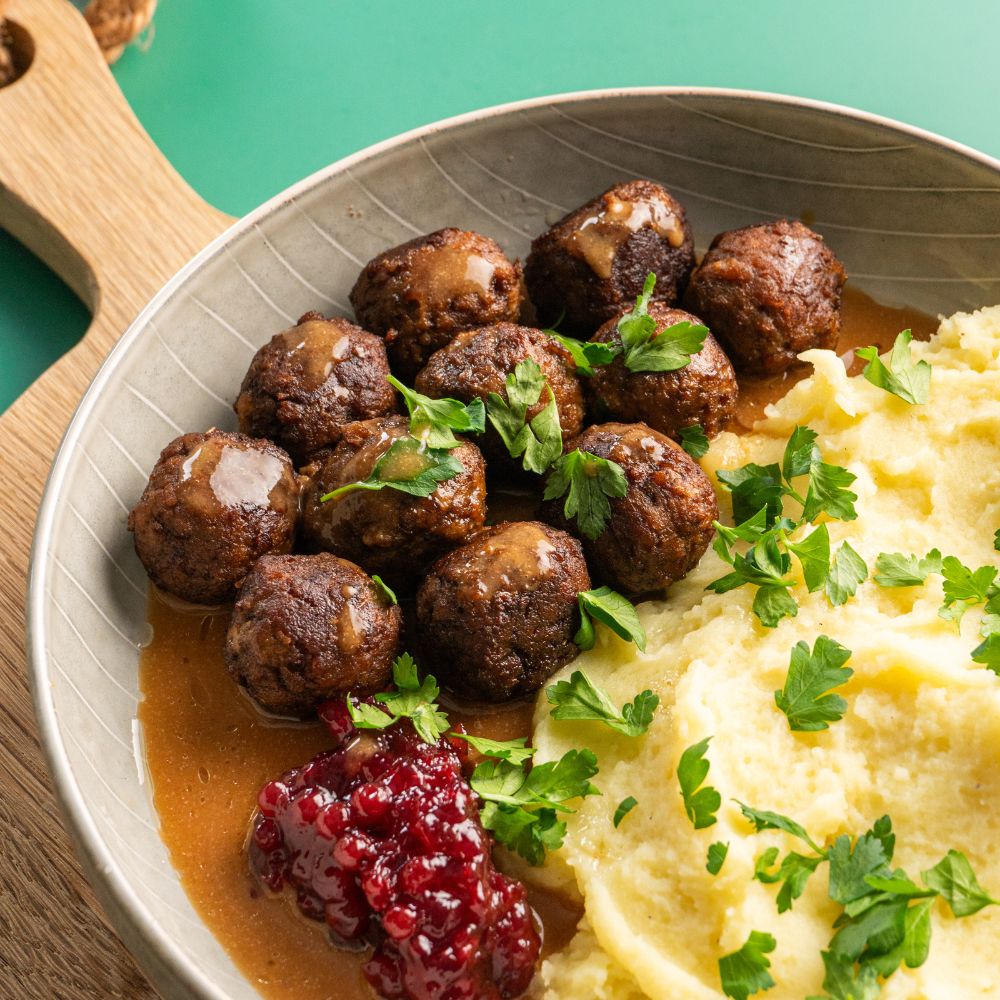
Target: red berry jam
381 838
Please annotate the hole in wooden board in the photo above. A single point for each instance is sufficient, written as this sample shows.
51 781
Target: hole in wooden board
17 50
40 318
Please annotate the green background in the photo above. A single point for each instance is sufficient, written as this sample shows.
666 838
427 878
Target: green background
247 96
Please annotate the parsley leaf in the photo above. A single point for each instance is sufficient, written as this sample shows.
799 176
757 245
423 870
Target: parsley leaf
539 440
716 857
763 819
955 880
433 420
842 982
587 482
385 591
580 698
521 807
828 493
852 866
996 540
587 354
752 487
694 440
645 349
744 972
408 467
701 803
514 751
911 382
847 572
624 808
412 699
804 698
893 569
964 588
988 653
615 611
793 873
814 554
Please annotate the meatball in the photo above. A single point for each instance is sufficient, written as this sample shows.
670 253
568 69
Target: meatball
768 293
308 628
307 382
420 294
595 260
478 362
214 503
497 616
387 531
659 530
702 392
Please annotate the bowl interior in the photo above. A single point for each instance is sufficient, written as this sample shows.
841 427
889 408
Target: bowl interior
910 215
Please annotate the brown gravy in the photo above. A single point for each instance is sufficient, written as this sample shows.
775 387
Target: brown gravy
209 751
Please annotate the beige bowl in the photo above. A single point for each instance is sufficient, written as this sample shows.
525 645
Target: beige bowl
913 217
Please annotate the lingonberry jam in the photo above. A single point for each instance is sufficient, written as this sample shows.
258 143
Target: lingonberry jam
380 837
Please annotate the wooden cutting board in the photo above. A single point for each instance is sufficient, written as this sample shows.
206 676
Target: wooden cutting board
83 186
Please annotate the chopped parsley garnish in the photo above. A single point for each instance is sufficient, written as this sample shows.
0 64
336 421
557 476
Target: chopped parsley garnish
893 569
902 377
539 440
716 857
805 698
587 482
408 466
384 590
580 699
587 354
886 917
758 496
847 572
514 751
996 540
624 808
744 972
645 350
964 588
701 802
433 420
694 440
521 806
412 699
615 611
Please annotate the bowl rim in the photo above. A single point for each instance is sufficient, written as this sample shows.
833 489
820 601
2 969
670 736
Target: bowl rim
99 862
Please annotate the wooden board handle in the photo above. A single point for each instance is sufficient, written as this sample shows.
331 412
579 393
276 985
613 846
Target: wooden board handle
81 183
85 188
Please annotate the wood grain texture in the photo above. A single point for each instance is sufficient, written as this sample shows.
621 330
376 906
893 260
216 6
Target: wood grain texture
83 186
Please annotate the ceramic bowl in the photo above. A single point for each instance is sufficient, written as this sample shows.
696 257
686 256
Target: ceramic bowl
912 216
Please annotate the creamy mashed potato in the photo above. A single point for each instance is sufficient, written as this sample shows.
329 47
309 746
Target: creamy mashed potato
920 739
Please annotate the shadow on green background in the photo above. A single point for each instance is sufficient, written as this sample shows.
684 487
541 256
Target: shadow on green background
247 97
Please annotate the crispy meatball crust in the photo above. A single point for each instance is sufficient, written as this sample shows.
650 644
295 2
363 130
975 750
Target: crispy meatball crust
389 532
307 628
497 616
308 381
478 362
420 294
214 503
595 260
768 293
660 529
703 392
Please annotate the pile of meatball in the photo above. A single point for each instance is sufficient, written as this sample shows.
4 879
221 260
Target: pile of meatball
491 609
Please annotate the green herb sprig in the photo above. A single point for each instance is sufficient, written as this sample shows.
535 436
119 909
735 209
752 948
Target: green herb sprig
433 421
909 380
538 440
407 466
589 483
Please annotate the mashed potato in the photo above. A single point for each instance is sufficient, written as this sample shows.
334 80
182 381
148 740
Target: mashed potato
920 739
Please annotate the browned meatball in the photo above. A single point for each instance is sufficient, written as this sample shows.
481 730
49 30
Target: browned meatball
214 504
702 392
478 362
497 616
307 628
387 531
659 530
420 294
768 293
307 382
595 260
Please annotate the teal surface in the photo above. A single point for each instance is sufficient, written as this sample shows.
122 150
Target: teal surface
247 97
